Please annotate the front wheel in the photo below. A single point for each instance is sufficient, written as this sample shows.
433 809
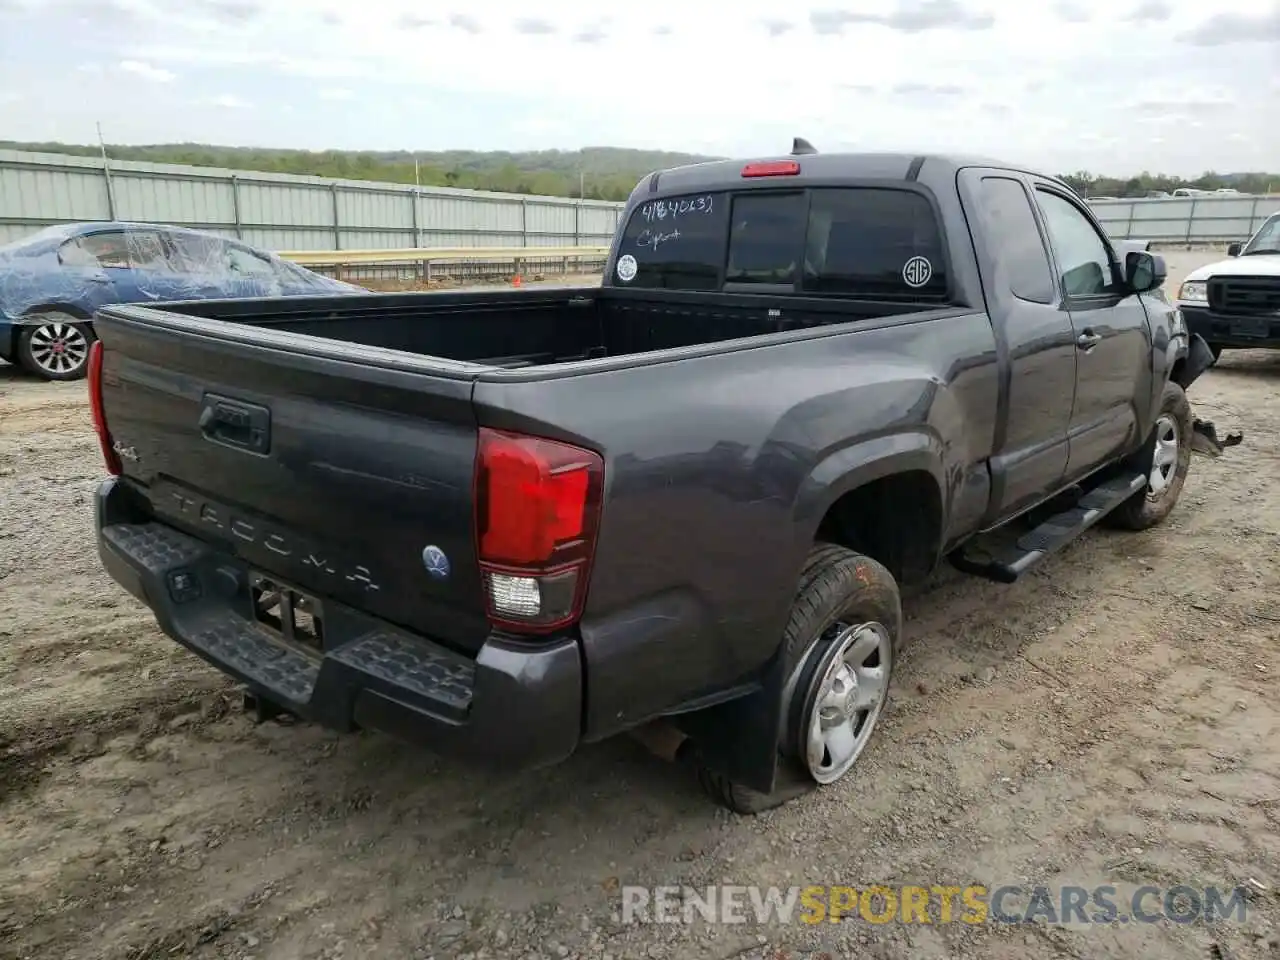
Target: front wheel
1167 467
840 645
56 347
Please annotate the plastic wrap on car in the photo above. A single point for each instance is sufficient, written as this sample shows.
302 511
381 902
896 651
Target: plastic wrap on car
76 268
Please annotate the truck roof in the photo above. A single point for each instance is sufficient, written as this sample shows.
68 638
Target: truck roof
719 174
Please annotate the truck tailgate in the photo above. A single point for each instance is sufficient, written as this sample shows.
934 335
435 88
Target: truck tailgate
332 475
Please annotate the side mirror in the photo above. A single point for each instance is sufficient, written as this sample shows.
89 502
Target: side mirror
1233 249
1144 272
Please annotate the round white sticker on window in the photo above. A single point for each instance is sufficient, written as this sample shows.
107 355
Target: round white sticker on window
917 272
627 268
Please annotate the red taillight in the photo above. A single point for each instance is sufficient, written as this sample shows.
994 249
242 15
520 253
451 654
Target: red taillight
537 510
773 168
94 378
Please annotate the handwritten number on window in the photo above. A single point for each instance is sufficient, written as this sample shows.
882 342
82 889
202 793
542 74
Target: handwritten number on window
656 210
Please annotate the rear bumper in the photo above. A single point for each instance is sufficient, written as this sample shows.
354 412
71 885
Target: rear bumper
1232 330
514 705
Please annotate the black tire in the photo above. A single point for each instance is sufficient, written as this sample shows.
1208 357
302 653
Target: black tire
1146 508
836 586
41 336
1216 350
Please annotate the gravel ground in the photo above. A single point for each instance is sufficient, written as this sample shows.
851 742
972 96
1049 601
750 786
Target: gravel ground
1108 719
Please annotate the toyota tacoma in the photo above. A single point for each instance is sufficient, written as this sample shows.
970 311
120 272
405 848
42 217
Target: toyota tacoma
505 524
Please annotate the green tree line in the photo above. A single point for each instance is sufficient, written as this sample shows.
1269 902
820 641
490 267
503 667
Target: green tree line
596 173
1091 185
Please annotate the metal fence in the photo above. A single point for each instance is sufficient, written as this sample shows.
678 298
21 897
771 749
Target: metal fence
284 212
1195 220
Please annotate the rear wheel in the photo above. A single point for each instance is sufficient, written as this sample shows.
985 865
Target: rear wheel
840 646
55 347
1167 467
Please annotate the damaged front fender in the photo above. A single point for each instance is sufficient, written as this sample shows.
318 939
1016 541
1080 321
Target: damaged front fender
1199 358
1186 370
1205 440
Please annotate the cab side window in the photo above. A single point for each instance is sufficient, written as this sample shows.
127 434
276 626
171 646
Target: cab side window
1084 258
1011 224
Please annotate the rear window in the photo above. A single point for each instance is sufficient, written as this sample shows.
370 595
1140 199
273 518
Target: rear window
872 243
676 243
765 242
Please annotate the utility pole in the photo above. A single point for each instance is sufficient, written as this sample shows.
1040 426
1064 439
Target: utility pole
582 184
417 192
106 173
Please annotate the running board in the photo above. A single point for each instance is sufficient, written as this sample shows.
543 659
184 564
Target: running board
1054 533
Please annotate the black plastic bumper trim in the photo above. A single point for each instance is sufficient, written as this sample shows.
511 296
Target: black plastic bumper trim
516 706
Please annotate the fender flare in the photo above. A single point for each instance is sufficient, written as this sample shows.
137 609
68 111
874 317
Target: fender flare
31 316
858 464
753 759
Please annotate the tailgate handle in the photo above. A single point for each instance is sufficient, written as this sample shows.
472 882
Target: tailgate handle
245 426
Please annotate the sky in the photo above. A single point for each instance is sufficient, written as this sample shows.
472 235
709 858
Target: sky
1113 87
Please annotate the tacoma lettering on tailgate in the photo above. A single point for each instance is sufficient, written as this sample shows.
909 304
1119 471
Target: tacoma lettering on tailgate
199 510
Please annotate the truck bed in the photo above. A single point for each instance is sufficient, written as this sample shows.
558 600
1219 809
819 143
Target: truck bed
521 328
329 441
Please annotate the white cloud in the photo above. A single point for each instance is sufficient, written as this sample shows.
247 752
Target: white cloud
227 102
147 71
966 75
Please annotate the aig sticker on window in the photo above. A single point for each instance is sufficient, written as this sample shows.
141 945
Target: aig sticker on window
627 268
917 272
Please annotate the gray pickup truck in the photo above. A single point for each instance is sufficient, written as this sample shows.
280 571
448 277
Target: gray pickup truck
506 524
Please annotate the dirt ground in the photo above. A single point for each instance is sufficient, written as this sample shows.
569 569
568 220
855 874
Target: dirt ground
1108 719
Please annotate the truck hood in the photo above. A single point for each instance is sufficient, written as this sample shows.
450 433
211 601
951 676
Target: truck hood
1259 265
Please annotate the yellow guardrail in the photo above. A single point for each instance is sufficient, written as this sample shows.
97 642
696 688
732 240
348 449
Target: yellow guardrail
438 255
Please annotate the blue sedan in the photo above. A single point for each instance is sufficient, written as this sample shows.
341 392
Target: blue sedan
52 282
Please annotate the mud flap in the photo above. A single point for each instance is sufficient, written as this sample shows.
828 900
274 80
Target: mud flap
739 738
1199 359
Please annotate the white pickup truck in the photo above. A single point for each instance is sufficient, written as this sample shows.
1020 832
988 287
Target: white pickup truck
1236 302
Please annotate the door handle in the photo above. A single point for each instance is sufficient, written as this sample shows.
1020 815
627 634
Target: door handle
235 423
1088 340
